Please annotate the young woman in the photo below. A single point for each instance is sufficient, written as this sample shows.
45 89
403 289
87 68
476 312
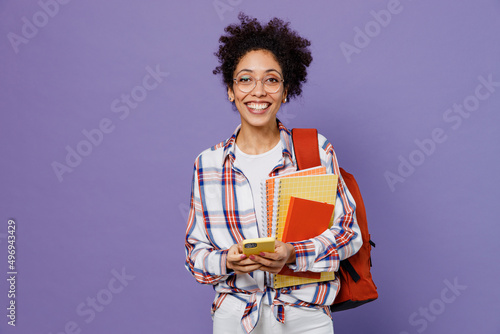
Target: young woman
262 67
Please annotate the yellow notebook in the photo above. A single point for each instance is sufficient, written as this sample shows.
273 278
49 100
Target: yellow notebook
321 188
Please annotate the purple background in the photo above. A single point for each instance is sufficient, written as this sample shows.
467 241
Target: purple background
123 207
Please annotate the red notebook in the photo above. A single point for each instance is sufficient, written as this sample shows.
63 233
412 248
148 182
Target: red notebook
305 219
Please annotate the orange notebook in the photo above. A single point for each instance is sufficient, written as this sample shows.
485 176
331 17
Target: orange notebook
306 219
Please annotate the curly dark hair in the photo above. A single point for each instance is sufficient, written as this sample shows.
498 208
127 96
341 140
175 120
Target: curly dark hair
290 50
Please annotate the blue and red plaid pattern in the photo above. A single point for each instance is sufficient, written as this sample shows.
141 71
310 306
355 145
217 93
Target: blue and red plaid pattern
222 214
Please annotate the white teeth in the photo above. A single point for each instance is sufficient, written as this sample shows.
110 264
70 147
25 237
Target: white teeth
258 106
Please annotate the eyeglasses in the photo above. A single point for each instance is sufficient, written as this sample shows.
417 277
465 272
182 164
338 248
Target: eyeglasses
246 83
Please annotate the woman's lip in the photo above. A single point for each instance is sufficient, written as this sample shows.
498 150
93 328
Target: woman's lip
257 111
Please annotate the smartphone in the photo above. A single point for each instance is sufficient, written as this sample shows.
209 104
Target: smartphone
255 246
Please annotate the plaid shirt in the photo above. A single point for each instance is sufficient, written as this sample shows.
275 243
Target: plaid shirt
222 214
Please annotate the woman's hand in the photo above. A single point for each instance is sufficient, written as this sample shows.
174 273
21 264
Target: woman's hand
274 262
239 262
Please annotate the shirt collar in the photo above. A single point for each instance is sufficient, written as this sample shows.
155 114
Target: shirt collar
285 137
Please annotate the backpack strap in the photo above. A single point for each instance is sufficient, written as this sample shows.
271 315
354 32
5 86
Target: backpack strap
305 145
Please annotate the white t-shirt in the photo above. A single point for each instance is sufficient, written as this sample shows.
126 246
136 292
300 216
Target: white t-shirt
256 169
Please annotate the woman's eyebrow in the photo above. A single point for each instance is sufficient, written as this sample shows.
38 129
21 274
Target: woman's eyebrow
251 71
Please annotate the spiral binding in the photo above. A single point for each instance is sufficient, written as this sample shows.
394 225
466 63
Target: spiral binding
278 227
267 206
263 191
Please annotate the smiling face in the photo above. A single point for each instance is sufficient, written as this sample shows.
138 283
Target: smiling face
257 108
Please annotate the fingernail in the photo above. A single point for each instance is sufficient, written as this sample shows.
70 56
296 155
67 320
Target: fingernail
243 256
262 254
252 257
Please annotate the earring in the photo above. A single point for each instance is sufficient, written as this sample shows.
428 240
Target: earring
285 100
230 99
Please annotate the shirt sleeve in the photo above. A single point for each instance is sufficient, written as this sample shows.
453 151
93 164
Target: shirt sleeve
206 264
343 239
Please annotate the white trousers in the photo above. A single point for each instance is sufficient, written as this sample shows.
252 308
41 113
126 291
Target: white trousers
227 320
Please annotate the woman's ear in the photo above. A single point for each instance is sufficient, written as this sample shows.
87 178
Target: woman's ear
285 94
230 94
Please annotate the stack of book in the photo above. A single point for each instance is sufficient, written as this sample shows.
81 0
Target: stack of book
299 206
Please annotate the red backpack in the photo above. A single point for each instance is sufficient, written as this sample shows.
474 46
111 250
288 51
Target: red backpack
356 283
